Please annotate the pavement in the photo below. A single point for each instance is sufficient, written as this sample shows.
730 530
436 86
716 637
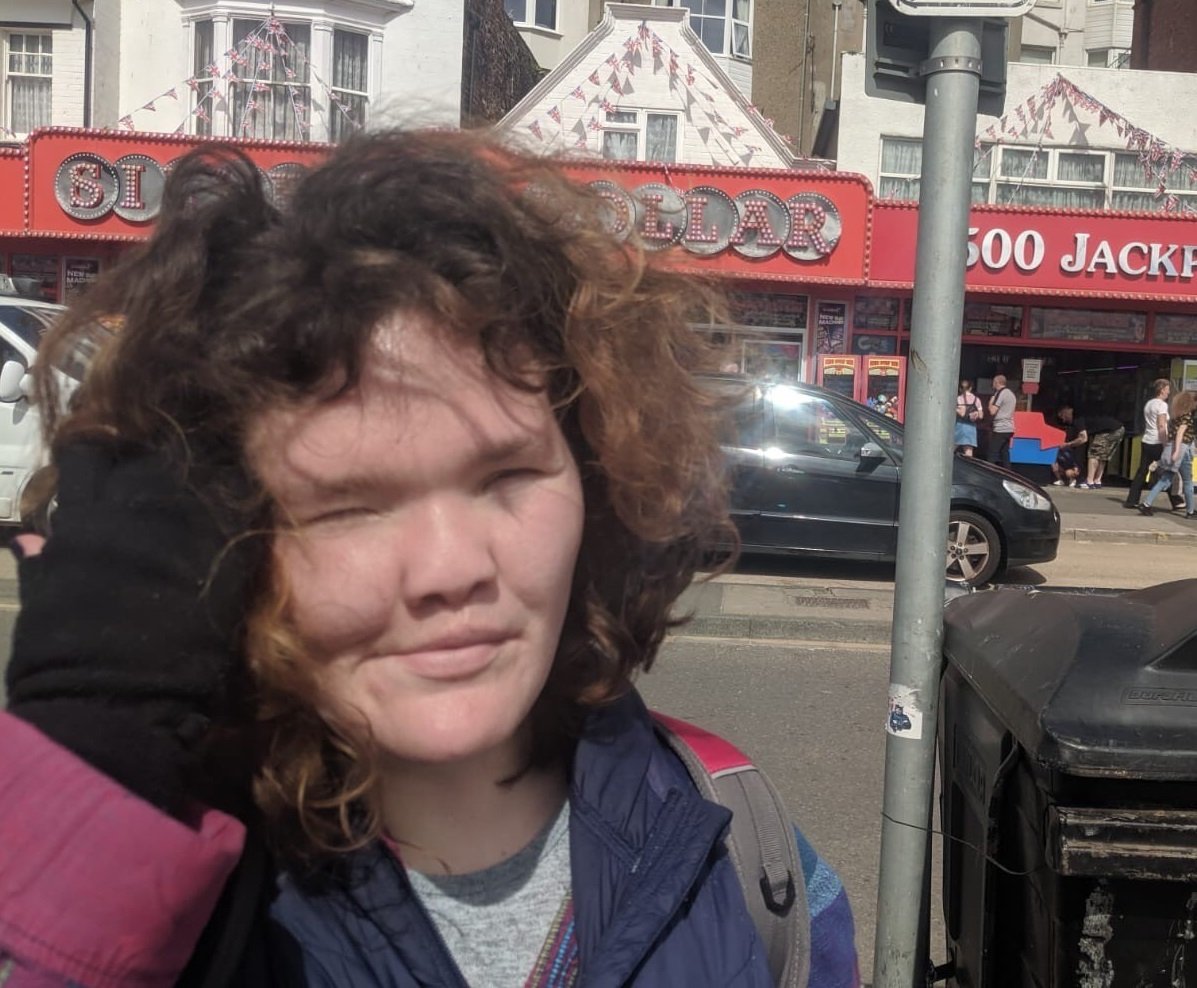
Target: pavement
756 605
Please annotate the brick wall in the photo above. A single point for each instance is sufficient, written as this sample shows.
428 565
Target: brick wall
1165 37
497 68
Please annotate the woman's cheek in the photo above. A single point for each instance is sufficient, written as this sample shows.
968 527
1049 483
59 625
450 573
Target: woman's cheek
336 594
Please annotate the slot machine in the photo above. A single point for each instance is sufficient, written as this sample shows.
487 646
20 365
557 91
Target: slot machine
839 373
884 385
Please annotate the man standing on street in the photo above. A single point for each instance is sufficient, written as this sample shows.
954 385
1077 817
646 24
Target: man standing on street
1155 434
1001 407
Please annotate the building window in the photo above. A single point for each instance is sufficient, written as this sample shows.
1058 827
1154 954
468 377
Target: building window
533 13
1137 186
902 168
350 88
630 135
1098 58
205 54
28 80
273 99
1053 177
1037 55
742 28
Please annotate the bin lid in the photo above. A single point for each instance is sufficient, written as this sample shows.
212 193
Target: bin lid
1089 683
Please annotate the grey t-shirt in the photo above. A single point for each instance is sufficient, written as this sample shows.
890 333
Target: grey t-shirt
495 922
1003 421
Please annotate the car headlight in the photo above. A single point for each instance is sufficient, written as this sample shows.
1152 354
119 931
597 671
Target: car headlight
1028 498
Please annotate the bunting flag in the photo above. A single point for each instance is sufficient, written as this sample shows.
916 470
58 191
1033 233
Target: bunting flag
127 122
578 94
534 126
555 114
594 78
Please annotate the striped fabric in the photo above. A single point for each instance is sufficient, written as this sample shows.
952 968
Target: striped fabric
557 965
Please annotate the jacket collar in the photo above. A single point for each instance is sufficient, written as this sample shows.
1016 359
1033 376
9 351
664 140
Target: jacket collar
640 839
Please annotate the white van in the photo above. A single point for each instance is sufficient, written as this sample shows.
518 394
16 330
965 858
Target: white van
23 321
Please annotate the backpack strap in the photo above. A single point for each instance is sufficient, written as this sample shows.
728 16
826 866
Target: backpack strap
760 842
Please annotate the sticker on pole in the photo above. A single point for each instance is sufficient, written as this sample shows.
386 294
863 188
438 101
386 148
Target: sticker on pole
964 8
905 717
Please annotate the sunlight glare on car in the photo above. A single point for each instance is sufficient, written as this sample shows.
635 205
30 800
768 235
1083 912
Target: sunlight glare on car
773 453
785 397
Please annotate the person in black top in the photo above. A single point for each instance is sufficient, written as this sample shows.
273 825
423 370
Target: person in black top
1103 433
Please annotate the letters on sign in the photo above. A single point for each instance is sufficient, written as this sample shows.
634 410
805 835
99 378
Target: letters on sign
998 249
88 187
706 220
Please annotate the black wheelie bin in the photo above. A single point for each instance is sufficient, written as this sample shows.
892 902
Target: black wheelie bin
1068 746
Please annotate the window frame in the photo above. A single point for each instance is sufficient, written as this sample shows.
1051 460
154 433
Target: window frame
7 75
336 118
532 21
730 21
1054 51
982 157
640 129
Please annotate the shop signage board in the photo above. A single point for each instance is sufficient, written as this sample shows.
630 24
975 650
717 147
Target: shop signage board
108 185
1024 251
760 224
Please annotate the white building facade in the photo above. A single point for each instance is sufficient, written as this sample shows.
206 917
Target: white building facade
1091 33
1070 137
295 70
554 28
642 86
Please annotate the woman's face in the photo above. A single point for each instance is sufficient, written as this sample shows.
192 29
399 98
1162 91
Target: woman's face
431 520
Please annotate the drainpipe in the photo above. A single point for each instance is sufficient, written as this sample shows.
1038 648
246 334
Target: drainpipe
835 46
87 56
802 91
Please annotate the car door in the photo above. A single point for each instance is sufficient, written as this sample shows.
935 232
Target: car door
20 439
817 492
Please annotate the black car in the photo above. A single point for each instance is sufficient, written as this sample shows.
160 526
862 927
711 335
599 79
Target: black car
815 473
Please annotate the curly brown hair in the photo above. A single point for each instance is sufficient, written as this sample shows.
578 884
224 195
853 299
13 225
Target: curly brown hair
236 306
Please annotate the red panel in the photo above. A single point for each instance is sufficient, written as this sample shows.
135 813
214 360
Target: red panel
12 190
851 195
47 149
1013 250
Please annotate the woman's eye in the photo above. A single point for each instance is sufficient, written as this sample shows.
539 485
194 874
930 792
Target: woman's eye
335 516
510 476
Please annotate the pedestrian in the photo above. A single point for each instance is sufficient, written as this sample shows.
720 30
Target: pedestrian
968 413
1105 435
383 498
1001 406
1155 433
1177 458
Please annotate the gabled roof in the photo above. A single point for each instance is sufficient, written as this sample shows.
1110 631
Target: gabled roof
646 58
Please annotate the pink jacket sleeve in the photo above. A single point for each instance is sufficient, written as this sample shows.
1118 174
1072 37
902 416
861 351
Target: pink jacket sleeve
96 885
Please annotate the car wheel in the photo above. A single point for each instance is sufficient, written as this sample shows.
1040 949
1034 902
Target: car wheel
974 549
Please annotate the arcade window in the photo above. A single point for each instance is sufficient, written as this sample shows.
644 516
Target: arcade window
633 135
533 13
28 81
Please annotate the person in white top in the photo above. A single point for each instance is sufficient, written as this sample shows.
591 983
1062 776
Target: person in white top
1155 435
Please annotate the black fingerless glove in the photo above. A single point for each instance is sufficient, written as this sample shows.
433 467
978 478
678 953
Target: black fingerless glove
127 650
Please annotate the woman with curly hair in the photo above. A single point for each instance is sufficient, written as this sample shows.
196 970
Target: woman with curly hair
359 530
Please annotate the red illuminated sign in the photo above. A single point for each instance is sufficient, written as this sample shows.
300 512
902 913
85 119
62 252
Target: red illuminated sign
760 224
1032 251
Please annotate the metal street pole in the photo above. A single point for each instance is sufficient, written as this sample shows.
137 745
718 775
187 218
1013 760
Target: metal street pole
953 73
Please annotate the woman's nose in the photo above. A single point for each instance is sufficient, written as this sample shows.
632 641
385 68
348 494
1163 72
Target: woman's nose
448 554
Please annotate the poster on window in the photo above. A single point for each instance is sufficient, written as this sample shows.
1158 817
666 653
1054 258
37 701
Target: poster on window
873 343
39 270
78 274
831 321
